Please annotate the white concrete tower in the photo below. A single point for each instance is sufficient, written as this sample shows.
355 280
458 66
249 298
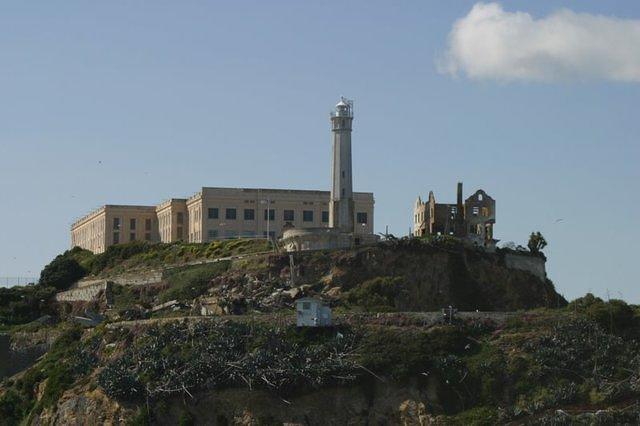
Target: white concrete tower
341 209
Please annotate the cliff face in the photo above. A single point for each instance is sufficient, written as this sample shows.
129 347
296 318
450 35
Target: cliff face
377 403
430 278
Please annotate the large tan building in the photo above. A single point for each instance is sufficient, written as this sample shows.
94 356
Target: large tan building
215 213
336 218
242 212
115 224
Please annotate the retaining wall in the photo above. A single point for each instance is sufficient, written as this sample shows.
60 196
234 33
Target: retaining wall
86 293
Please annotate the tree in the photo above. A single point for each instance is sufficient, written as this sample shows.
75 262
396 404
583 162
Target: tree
63 271
536 242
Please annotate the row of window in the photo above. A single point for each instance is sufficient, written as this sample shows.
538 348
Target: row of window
132 224
270 214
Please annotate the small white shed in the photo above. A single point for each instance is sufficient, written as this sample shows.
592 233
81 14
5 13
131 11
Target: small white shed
312 312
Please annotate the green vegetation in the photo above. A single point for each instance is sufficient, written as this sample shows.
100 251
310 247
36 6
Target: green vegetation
538 361
378 294
616 316
141 254
177 358
67 360
66 269
536 242
20 305
193 281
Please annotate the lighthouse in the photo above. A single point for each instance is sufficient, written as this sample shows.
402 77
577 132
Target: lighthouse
341 210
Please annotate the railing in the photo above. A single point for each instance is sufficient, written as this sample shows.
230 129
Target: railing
13 281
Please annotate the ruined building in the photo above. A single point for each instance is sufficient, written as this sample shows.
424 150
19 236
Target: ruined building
471 220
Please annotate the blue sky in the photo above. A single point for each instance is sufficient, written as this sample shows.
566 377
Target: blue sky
136 102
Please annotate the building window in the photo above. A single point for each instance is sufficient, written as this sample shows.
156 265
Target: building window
272 214
180 218
132 224
230 214
179 232
249 214
248 234
116 224
306 306
213 213
132 236
116 238
272 234
213 234
147 224
288 215
147 236
325 217
361 217
231 234
485 211
307 215
476 210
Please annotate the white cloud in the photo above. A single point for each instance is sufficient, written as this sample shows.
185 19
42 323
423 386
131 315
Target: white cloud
493 44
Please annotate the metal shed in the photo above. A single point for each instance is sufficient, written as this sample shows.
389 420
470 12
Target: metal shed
312 312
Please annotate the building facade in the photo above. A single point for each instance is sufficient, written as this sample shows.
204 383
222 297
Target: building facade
115 224
220 213
173 220
341 217
472 219
213 214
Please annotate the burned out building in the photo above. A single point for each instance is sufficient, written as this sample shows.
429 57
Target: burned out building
471 219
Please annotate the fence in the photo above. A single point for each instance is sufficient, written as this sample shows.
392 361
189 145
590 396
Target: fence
12 281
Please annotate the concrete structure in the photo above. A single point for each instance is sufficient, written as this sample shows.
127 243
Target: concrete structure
349 224
472 220
87 293
341 207
216 213
311 312
173 220
115 224
221 213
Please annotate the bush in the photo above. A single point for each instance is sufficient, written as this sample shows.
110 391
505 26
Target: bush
616 316
63 271
20 305
66 361
190 282
177 358
118 253
377 294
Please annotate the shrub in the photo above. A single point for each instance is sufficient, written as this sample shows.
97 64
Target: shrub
63 271
193 281
19 305
616 316
178 357
117 253
380 293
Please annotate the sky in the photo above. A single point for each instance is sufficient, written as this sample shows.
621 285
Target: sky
134 102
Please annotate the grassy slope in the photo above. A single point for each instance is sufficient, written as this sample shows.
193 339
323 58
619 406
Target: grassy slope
538 362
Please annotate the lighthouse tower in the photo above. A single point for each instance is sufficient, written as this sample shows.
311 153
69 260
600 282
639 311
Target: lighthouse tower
341 210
